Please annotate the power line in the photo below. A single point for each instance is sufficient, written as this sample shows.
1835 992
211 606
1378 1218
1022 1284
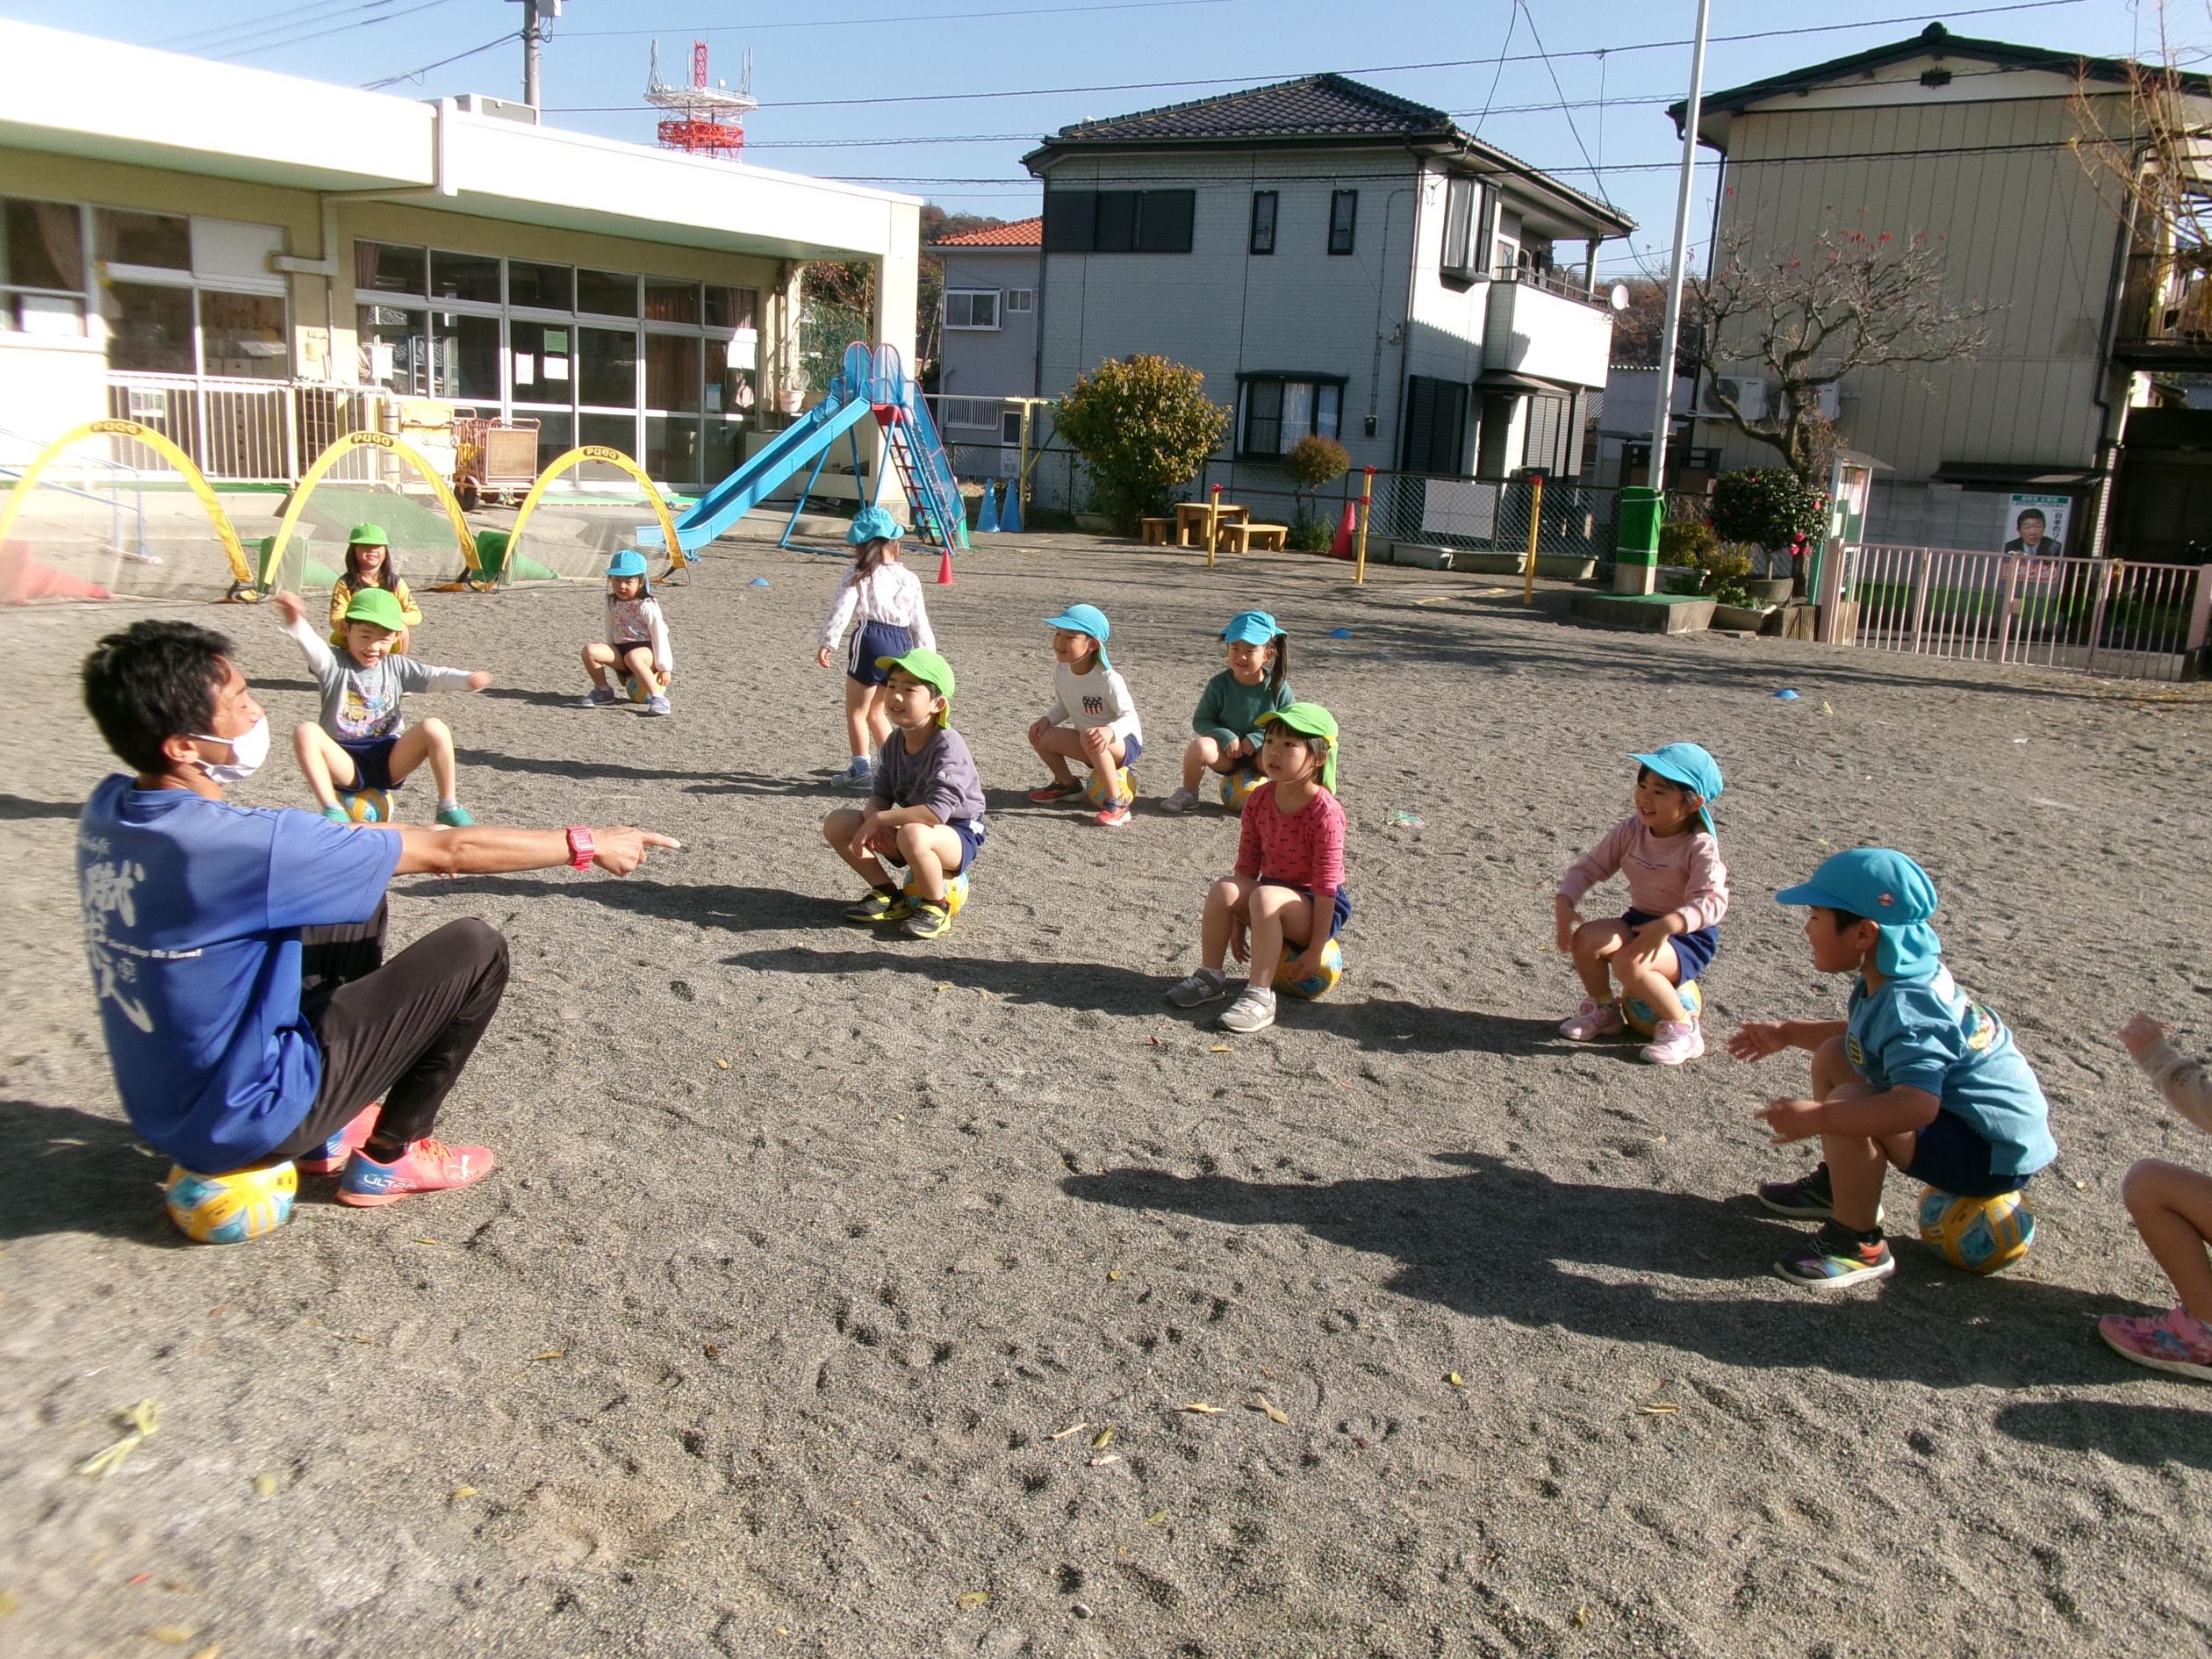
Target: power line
239 25
1498 74
1376 69
341 28
905 17
1573 130
410 74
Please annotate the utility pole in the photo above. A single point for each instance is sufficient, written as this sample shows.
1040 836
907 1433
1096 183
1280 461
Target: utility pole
536 14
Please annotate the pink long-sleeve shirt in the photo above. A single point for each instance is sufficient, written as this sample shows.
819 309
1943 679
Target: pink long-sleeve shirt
1665 872
1303 848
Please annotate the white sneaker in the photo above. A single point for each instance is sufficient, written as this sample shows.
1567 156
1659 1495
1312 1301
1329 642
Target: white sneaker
1254 1011
1674 1042
1180 801
1202 987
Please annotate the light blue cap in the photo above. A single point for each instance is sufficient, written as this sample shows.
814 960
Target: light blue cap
1086 619
1691 766
1885 888
874 524
629 561
1251 627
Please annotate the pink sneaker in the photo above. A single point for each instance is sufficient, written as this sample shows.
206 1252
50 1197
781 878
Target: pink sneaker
426 1166
2169 1341
1593 1020
1674 1042
329 1158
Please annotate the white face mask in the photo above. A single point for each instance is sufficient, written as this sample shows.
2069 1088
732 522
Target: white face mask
248 749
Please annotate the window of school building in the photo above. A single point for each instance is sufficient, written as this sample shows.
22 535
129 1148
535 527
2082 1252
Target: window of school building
662 369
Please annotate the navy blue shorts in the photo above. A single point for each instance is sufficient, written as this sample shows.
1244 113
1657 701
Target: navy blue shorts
870 640
1950 1156
1341 912
372 764
972 832
1135 746
1693 952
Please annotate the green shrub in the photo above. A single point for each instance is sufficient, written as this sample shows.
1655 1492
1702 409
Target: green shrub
1768 506
1143 427
1310 535
1681 540
1716 572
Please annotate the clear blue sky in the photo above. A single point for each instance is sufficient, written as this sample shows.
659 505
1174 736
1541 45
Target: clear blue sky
886 57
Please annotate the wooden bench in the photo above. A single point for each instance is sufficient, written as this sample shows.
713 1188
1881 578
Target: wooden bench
1253 538
1158 532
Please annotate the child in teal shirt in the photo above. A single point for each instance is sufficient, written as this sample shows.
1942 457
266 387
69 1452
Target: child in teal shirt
1919 1077
1255 684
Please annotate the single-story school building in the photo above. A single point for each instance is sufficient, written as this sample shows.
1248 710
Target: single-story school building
252 263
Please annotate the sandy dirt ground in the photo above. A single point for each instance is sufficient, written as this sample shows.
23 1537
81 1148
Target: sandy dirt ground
811 1249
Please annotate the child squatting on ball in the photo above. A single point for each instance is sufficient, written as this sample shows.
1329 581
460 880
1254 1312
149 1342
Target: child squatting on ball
1677 893
2171 1206
1919 1077
638 643
1092 718
1289 884
363 741
925 807
1255 683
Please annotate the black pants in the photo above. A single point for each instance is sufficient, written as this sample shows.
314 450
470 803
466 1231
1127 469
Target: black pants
401 1030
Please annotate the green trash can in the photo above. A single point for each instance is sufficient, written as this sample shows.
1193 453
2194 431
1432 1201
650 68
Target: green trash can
1636 545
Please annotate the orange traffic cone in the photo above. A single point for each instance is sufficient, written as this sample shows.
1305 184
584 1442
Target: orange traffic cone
1341 548
945 567
24 580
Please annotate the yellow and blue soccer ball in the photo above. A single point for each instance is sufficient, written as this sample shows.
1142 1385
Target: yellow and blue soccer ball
1094 790
1976 1235
1643 1019
1237 786
1320 984
366 806
640 690
956 892
231 1208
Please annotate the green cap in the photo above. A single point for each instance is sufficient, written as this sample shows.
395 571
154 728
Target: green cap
931 670
377 605
367 535
1310 720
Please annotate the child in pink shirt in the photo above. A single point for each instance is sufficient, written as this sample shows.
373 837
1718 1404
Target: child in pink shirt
1286 900
1677 892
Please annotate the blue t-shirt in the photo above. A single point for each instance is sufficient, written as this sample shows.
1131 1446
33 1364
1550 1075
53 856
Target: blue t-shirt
1927 1034
192 912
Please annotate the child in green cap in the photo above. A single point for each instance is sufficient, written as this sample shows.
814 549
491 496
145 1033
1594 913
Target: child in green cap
362 742
925 802
1288 887
368 564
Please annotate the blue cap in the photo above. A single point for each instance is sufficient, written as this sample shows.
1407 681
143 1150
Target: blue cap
874 524
1885 888
1251 627
1691 766
629 561
1085 619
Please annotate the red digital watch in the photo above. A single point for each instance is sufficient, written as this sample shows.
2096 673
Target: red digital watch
581 847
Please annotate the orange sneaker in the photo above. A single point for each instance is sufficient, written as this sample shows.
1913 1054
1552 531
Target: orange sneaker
426 1166
329 1158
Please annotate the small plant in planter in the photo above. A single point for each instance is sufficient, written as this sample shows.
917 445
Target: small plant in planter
1684 541
1717 573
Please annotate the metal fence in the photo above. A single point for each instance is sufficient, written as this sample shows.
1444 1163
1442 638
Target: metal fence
247 431
2096 616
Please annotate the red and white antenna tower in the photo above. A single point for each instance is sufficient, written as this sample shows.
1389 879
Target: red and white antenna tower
703 119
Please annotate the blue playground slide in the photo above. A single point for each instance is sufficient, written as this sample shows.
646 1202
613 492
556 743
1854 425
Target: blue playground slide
872 382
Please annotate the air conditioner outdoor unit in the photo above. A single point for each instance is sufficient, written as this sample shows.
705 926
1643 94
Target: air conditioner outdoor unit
1748 393
1829 400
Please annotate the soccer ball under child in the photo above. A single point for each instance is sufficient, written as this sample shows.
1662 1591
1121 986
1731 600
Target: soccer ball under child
366 806
1237 787
1094 791
1644 1019
956 892
231 1208
1976 1235
640 690
1318 985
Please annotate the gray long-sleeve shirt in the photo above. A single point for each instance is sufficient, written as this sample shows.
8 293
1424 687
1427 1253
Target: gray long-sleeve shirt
361 702
941 776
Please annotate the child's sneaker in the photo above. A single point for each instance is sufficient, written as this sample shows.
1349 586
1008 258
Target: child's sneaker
1254 1011
455 816
337 815
862 770
1807 1198
329 1158
931 918
881 905
1179 800
1055 790
1673 1042
426 1166
657 704
1834 1257
1593 1020
1114 816
1202 987
598 697
2170 1341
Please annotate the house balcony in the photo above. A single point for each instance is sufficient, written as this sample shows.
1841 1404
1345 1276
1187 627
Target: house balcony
1538 333
2166 311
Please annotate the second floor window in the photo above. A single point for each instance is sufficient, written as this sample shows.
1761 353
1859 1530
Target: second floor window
1119 222
972 308
1463 225
1018 299
1263 221
1344 215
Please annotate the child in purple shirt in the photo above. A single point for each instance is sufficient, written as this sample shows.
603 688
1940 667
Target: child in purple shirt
1677 892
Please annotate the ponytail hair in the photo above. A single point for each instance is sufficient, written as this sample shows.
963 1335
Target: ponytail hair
868 557
1278 669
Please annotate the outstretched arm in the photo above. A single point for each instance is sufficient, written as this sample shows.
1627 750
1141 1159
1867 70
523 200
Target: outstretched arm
490 850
